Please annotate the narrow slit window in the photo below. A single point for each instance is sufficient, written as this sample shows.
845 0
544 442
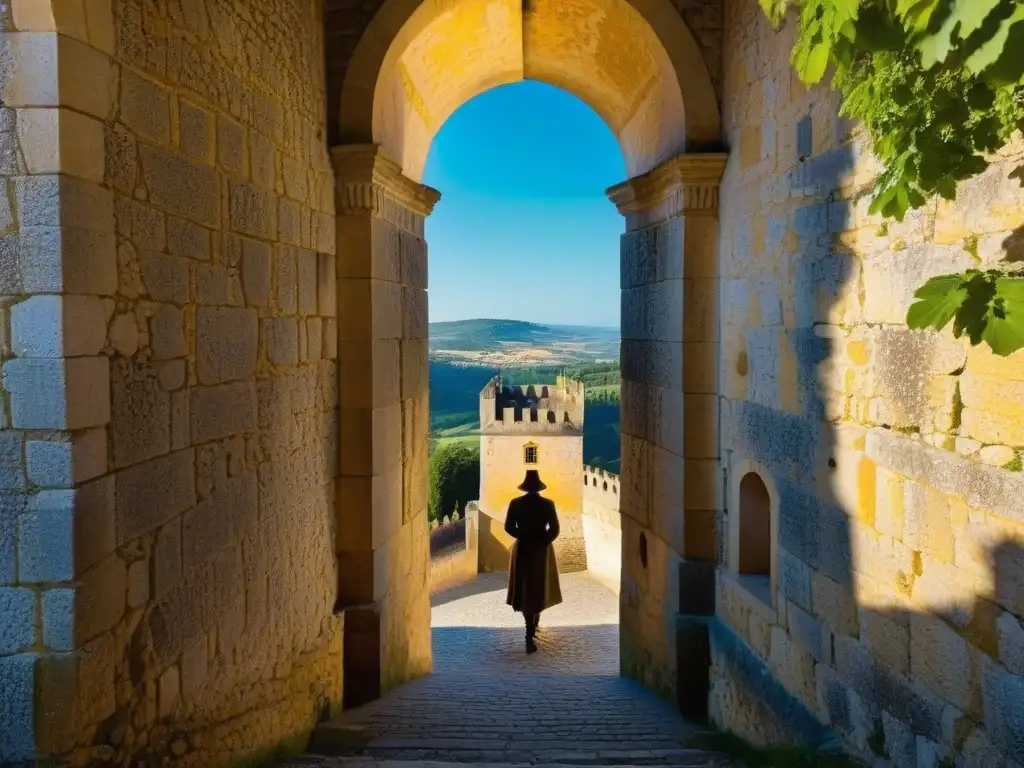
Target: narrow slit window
530 453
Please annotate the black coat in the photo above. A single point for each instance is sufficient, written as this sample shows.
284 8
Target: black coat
532 571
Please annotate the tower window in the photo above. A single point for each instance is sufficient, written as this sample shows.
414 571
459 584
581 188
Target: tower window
530 453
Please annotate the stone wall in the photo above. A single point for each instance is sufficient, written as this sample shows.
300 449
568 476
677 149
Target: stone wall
172 345
892 611
453 552
602 526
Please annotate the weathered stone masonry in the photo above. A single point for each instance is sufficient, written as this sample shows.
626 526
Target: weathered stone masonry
170 381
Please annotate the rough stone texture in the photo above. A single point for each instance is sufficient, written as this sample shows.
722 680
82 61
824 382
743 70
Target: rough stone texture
175 490
889 454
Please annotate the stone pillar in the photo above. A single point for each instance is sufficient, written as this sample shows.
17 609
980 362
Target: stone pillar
671 489
58 275
382 533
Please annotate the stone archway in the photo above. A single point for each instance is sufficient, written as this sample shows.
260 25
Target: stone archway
415 64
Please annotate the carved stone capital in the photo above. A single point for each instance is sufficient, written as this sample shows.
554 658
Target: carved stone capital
368 181
685 184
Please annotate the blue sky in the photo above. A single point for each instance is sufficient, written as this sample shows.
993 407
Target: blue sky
523 230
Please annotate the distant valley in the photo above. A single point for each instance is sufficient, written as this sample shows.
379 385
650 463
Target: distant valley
465 354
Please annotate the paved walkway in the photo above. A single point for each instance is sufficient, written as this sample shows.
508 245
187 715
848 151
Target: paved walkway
489 703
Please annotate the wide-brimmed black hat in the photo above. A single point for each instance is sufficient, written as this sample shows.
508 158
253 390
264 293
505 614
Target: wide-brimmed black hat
532 482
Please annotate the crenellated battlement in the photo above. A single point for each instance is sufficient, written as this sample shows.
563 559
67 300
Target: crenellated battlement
535 408
600 487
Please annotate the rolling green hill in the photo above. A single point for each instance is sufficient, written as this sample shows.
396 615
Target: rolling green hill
587 354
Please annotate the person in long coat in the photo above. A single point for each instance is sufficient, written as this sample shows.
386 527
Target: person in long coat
533 584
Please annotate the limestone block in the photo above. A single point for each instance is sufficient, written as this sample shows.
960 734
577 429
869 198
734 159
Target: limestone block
927 522
834 604
810 633
68 462
45 538
195 130
120 163
945 662
167 338
145 107
700 303
165 277
17 707
12 468
308 282
169 689
1004 709
256 273
993 412
287 290
793 667
56 259
314 338
223 411
88 79
187 239
369 373
213 284
138 583
58 326
281 338
702 486
231 146
59 619
1011 642
700 368
82 204
262 159
414 313
181 187
17 619
227 342
794 579
653 362
227 514
652 254
140 425
194 668
253 211
330 339
289 223
149 494
700 420
167 563
58 394
61 141
34 81
887 636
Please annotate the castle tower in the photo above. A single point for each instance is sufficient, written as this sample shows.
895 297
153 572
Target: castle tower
540 427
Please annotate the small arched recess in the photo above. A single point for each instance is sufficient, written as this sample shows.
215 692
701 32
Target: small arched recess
753 525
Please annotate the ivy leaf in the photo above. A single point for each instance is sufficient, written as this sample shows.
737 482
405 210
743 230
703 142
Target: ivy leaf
938 300
972 14
917 14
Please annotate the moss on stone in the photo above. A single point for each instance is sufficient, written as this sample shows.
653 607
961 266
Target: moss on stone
774 756
1015 464
957 408
971 247
291 746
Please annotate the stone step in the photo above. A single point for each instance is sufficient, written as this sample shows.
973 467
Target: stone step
469 759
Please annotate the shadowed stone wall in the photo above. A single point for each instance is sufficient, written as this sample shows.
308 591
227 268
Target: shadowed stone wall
892 613
172 339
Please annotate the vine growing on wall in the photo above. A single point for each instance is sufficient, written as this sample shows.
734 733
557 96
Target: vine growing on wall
938 85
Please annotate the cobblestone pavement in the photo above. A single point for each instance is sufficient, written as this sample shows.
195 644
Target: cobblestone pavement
488 703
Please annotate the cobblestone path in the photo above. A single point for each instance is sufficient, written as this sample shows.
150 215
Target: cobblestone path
488 703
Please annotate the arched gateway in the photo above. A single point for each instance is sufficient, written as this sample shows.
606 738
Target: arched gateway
415 64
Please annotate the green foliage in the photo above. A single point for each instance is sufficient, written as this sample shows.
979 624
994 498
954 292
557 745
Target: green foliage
454 479
984 306
938 86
